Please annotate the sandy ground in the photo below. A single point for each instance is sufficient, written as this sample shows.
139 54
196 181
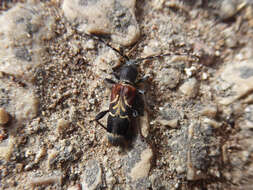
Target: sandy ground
197 126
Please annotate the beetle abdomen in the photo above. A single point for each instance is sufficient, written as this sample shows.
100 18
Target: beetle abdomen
117 129
116 140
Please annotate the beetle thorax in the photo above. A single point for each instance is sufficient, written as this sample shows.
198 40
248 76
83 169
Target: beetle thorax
128 73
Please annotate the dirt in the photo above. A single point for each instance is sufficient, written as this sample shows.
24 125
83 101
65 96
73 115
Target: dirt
209 146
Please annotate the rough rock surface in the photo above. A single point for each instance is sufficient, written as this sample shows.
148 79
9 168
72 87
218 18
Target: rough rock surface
196 130
237 79
190 88
112 17
169 78
22 36
138 164
92 178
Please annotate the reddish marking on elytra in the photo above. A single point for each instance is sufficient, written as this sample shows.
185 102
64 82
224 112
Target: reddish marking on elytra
124 90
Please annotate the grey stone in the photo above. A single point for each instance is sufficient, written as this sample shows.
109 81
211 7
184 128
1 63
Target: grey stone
138 163
92 177
169 113
238 78
22 103
246 72
169 116
190 151
23 54
138 160
248 114
228 9
190 88
169 77
21 42
112 17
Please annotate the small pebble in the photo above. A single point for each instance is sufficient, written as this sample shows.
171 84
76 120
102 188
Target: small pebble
169 77
36 181
110 179
4 116
248 113
152 49
190 88
42 152
90 44
51 155
29 166
75 187
180 169
212 123
171 123
145 124
231 42
204 76
62 125
7 149
19 167
209 111
228 9
190 71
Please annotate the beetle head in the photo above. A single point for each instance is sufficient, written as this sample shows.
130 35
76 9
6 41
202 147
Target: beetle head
129 72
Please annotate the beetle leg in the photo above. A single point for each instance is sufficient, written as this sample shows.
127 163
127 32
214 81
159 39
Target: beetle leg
100 116
135 113
141 91
101 125
109 81
144 79
138 105
116 75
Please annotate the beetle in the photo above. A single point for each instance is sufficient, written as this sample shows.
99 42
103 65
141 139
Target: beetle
125 101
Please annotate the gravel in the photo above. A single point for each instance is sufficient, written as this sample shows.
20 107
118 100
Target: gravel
52 85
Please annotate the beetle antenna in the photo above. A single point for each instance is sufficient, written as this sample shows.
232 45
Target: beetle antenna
136 61
159 56
100 124
107 44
